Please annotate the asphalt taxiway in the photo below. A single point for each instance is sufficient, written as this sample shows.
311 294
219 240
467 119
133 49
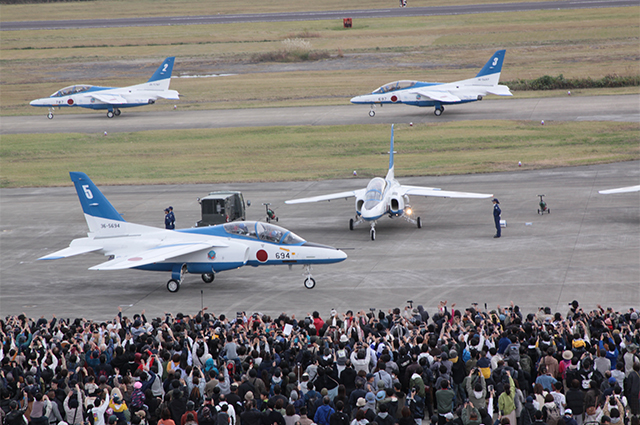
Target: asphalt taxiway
624 108
587 248
522 7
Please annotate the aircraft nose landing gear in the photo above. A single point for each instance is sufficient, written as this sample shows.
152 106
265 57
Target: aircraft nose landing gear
309 281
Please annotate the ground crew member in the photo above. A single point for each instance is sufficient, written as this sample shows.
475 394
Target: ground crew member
496 216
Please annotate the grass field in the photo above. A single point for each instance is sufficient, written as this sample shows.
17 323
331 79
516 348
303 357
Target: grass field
310 153
575 43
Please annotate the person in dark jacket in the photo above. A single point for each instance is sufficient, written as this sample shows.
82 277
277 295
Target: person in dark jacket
575 401
568 418
251 415
339 417
496 216
527 416
177 405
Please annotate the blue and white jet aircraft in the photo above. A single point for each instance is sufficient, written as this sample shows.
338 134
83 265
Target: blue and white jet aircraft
418 93
386 197
203 250
113 98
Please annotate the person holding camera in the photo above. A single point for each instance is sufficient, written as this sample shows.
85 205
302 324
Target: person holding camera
476 387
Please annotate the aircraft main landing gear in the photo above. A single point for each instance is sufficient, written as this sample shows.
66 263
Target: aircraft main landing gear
173 285
110 114
117 112
309 281
208 277
353 223
438 111
373 230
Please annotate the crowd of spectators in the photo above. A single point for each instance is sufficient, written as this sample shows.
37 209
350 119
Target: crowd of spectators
454 366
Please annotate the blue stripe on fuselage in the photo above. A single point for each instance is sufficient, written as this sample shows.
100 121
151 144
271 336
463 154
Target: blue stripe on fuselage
193 267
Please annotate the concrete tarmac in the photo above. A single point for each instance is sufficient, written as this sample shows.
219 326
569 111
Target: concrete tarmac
570 108
587 248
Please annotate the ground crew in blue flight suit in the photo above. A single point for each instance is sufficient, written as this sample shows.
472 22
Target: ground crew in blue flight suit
168 222
496 216
173 217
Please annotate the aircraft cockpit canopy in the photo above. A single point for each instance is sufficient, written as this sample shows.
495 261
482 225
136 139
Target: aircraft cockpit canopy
263 231
396 85
71 90
374 192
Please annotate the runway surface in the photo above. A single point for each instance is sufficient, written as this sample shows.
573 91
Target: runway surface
587 249
310 16
569 108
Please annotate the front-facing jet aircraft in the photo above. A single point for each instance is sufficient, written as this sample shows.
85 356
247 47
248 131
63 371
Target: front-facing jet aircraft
202 250
419 93
386 197
113 98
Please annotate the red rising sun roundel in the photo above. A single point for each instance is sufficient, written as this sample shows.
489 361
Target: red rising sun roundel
262 256
394 98
70 101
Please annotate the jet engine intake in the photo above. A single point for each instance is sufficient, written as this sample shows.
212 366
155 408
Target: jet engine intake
396 206
359 204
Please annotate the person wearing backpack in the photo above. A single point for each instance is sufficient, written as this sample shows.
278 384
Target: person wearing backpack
339 417
550 412
73 407
527 416
15 415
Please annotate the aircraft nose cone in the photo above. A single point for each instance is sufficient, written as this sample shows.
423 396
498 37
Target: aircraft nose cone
357 99
38 102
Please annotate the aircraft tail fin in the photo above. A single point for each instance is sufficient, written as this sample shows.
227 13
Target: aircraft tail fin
390 173
164 71
160 79
490 72
98 211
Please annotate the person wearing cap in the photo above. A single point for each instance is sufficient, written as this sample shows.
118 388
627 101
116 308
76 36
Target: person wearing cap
496 216
527 415
630 357
168 223
568 418
172 217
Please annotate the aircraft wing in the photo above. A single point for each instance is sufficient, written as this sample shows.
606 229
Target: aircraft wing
155 255
70 252
112 99
620 190
440 96
434 191
329 197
